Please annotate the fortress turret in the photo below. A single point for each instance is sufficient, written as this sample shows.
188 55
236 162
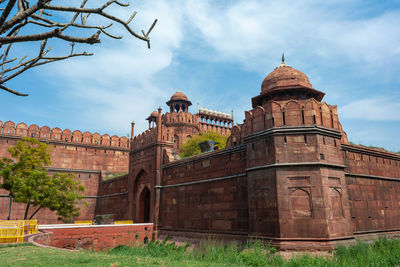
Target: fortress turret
152 119
294 160
179 103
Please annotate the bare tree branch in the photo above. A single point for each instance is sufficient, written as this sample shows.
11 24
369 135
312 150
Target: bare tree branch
27 66
20 14
11 91
51 34
7 11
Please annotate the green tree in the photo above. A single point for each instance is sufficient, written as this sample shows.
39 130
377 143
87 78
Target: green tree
26 178
191 147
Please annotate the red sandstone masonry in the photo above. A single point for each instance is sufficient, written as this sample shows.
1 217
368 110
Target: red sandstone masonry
373 181
98 237
85 155
113 198
213 207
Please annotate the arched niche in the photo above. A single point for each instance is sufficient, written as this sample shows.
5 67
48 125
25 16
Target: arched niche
300 202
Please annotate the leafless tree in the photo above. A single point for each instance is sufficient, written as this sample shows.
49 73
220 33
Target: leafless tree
40 20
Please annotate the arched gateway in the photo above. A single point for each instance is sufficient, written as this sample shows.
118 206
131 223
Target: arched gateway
144 205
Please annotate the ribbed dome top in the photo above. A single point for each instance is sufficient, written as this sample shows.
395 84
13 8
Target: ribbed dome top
154 114
285 83
284 76
179 96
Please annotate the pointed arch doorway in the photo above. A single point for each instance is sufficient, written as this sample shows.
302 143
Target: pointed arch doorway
144 205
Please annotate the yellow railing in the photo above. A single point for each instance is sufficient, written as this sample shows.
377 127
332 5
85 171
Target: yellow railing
124 222
86 222
30 226
11 231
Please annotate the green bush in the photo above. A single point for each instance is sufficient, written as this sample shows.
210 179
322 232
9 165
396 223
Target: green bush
191 147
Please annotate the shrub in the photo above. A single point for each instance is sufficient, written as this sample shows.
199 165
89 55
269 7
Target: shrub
191 147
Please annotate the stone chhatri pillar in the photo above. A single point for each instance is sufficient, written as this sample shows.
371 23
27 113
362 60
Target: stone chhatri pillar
132 130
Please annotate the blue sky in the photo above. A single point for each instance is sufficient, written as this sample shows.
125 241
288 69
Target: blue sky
218 53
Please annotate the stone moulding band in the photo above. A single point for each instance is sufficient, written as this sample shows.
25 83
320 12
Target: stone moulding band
71 170
295 164
372 176
202 181
112 195
63 143
253 169
376 231
199 231
294 130
303 239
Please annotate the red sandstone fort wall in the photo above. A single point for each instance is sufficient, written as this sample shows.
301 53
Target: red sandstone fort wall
113 198
96 237
86 155
56 134
72 150
45 216
206 193
373 182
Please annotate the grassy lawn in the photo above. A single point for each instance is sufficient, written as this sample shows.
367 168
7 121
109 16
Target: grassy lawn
383 252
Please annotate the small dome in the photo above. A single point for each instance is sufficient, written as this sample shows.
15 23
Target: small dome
179 96
153 116
284 76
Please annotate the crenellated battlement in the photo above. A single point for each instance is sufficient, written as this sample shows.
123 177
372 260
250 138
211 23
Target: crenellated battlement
236 137
55 134
179 117
144 139
287 113
291 113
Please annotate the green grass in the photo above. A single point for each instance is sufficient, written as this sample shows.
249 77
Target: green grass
384 252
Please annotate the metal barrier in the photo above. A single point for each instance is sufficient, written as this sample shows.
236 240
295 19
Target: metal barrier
86 222
11 231
30 226
124 222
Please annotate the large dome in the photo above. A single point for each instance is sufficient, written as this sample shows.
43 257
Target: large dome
285 83
284 76
179 96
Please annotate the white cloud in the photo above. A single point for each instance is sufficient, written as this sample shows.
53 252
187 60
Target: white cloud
251 32
119 83
116 85
378 108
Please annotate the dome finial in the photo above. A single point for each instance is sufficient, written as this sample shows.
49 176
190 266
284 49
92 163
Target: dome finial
283 64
